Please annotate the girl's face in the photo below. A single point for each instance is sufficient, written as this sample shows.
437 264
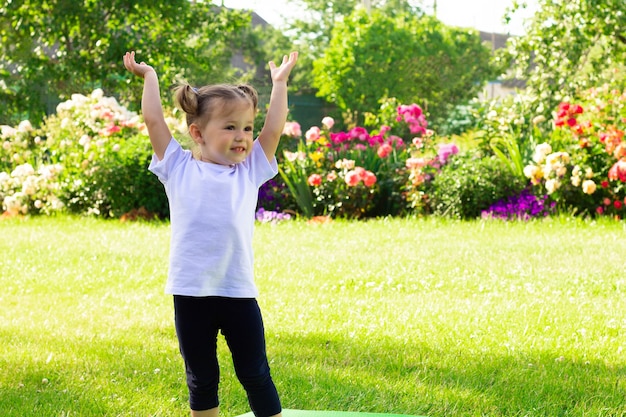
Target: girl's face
227 138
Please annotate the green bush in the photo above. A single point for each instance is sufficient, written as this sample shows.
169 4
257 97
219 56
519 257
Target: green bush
90 157
468 184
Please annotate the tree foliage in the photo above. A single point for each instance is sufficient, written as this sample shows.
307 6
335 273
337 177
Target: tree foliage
414 58
570 45
52 48
312 31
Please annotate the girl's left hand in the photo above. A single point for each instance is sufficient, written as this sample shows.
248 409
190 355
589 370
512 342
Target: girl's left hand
282 73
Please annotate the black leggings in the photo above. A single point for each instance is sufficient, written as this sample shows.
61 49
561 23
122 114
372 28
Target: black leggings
198 320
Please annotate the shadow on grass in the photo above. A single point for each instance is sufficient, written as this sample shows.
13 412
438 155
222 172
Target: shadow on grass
119 377
316 371
96 377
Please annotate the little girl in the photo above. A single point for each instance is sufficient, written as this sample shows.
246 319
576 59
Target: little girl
212 201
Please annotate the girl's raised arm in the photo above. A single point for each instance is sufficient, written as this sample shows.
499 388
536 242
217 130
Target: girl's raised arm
277 110
158 130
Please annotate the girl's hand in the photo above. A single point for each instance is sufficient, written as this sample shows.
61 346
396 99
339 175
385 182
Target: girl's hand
138 69
282 73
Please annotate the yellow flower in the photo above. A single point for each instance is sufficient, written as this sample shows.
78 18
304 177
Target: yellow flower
316 157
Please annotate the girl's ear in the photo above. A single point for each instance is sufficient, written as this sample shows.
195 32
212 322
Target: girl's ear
196 134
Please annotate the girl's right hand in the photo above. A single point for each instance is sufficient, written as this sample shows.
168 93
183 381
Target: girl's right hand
138 69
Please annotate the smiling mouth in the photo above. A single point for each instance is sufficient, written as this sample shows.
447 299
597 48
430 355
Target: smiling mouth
239 149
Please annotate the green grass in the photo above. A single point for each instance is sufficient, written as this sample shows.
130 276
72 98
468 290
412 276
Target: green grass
423 317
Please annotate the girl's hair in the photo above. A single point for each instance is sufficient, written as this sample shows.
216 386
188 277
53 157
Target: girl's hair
200 104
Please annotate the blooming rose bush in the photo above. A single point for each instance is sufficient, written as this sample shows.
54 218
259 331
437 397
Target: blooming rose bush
582 163
364 171
90 157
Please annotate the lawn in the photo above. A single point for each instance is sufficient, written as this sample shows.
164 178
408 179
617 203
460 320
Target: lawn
405 316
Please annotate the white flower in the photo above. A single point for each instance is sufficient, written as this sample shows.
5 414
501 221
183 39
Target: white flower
530 171
84 140
97 93
328 122
23 170
552 185
541 151
7 131
24 126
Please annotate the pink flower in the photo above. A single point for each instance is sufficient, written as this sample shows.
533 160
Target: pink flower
353 178
369 178
618 171
315 180
359 133
328 122
418 142
416 163
111 129
292 129
339 137
331 176
445 151
413 116
384 150
313 134
384 129
376 140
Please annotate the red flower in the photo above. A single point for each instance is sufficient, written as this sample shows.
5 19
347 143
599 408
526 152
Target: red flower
369 178
315 180
566 114
617 204
604 184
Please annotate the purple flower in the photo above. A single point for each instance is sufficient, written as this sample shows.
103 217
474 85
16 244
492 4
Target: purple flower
268 216
523 206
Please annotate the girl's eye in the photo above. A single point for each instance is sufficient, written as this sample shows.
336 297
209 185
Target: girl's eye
248 129
230 127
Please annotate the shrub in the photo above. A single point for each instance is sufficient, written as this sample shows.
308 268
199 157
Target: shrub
468 184
581 164
91 157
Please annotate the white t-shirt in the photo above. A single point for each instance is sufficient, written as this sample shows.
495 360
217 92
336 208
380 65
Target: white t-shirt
212 220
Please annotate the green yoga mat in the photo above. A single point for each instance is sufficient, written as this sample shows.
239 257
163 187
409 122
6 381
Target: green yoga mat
319 413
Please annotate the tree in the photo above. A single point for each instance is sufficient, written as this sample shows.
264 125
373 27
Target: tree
51 49
414 58
570 45
312 32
